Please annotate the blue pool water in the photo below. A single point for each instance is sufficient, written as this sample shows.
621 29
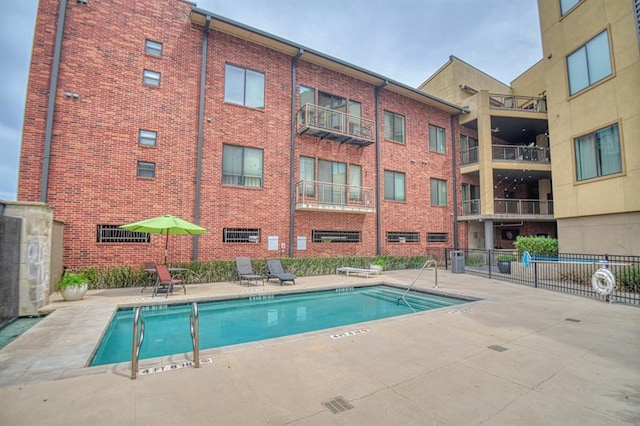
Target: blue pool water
255 318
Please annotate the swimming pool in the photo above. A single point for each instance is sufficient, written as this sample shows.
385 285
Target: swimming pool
253 318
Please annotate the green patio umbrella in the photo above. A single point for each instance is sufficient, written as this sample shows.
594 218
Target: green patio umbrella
165 225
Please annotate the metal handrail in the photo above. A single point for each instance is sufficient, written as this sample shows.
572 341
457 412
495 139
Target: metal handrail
138 324
426 265
195 334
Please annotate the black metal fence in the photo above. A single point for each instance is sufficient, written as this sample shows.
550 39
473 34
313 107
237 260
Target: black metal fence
566 272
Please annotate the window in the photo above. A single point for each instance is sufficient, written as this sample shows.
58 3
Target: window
394 127
355 183
567 5
438 192
437 237
307 176
394 186
436 139
152 78
589 64
146 170
332 182
335 236
240 235
241 166
147 138
153 48
307 95
468 149
403 237
243 87
598 153
115 234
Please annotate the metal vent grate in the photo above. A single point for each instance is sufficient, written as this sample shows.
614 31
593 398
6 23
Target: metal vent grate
572 319
337 405
497 348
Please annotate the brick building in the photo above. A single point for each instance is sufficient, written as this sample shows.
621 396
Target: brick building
140 109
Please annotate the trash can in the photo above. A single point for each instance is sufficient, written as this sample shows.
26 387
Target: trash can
457 261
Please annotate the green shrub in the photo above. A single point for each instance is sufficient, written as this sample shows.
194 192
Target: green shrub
506 258
541 246
225 270
628 279
474 260
71 279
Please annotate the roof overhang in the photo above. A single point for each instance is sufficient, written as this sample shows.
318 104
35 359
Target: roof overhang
199 17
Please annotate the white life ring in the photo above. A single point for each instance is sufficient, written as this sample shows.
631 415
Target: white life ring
603 281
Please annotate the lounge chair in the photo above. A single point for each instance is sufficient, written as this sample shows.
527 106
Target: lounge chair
276 271
165 282
245 271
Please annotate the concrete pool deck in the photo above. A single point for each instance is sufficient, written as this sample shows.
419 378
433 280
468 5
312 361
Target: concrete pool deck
519 356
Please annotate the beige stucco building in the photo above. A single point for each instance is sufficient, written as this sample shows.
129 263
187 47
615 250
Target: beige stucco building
559 146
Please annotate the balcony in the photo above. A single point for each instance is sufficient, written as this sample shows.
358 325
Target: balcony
327 123
518 103
522 207
469 156
330 197
508 208
470 207
520 153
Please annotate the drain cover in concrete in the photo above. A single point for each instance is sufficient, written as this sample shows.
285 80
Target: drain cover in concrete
497 348
337 405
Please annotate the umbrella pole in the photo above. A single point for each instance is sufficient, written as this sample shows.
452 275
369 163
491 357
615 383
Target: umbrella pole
166 248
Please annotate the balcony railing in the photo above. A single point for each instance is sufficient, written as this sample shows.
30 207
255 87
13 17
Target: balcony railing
469 156
518 103
323 196
520 153
470 207
522 207
326 123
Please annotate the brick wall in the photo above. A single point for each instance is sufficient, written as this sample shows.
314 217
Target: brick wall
95 141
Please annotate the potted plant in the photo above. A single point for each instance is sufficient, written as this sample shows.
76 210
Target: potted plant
504 263
378 265
73 286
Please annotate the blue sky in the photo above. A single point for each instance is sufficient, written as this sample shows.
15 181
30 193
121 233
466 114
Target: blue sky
404 40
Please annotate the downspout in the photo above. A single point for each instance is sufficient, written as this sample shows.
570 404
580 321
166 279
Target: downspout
456 240
378 161
292 153
203 77
53 88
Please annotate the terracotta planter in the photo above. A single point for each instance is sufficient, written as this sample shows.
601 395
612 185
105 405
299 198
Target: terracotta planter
74 292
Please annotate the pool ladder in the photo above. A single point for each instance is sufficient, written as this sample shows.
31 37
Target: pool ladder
425 266
138 338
